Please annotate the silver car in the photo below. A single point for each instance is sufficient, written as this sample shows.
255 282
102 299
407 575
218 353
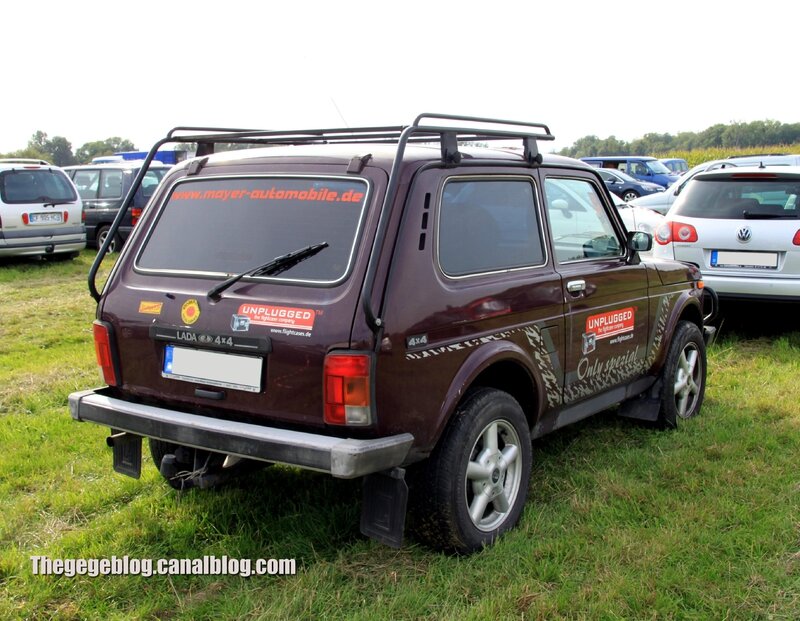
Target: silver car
662 201
741 227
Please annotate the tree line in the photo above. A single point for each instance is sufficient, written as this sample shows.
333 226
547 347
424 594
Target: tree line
732 136
58 150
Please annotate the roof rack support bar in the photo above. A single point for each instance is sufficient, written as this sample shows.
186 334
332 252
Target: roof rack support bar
450 154
101 253
531 151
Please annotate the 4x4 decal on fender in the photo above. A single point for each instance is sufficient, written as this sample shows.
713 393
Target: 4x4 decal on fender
546 362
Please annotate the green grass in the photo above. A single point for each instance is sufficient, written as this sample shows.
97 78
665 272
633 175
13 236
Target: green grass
622 522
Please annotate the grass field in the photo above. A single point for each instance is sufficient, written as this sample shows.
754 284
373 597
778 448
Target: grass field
622 522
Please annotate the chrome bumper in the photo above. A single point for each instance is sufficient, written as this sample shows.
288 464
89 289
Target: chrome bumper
342 458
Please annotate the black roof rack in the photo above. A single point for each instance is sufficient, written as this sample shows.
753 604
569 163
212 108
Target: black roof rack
447 129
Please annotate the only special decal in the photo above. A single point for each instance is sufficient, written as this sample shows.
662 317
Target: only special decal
190 311
611 323
295 319
150 308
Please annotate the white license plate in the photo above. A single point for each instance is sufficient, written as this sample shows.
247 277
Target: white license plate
53 217
729 258
213 368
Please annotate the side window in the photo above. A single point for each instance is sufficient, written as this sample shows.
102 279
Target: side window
87 181
579 223
637 168
487 225
111 184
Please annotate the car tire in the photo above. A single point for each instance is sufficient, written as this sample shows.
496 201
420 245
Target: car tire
473 487
683 378
102 233
629 195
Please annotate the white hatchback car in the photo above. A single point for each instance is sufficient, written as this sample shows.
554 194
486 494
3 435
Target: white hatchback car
741 227
40 210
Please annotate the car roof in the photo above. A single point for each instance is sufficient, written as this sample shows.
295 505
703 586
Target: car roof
752 172
618 158
123 164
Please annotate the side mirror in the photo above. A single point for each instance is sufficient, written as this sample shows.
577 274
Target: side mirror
639 241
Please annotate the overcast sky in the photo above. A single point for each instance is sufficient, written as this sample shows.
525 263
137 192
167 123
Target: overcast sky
89 70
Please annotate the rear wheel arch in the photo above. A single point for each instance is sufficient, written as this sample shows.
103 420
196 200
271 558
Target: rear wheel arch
501 365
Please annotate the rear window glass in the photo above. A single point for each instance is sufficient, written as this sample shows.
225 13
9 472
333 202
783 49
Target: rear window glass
488 225
231 225
740 198
36 186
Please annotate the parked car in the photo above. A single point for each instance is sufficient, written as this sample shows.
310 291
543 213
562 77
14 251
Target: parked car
741 227
662 202
675 164
638 218
625 186
40 211
263 309
639 167
102 188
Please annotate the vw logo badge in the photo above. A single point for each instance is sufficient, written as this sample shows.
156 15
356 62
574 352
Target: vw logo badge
744 234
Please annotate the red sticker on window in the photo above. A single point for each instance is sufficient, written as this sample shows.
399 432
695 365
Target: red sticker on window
611 323
279 316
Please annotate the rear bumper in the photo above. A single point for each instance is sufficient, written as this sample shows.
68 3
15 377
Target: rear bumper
341 458
753 287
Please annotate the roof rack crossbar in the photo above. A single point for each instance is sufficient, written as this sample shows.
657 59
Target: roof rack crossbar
446 129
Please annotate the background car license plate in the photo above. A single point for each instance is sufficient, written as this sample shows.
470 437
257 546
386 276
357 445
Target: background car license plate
53 217
760 260
213 368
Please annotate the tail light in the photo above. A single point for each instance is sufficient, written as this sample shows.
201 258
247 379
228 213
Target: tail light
66 216
83 216
136 213
347 389
675 232
102 347
25 219
796 238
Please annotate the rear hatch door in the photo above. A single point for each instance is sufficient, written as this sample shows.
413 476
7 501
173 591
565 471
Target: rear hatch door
254 348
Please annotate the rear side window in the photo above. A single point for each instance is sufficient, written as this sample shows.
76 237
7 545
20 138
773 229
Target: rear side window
87 182
745 197
488 225
36 186
110 184
231 225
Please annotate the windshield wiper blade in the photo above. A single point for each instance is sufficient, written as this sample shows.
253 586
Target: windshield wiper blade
768 216
275 266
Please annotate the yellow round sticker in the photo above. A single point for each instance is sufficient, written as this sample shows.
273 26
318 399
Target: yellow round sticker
190 311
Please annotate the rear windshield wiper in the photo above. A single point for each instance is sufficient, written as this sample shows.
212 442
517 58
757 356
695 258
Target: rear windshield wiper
747 215
275 266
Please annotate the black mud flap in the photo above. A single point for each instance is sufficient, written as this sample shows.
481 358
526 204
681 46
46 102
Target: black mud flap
646 406
127 453
383 509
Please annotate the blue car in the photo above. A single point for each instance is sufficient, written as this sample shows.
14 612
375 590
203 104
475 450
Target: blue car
625 186
637 166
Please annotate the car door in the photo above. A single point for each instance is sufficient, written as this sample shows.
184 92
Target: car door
605 294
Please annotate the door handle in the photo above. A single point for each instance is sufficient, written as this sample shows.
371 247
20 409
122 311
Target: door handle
576 286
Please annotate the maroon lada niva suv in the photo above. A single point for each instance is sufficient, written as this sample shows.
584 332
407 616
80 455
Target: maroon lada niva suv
392 303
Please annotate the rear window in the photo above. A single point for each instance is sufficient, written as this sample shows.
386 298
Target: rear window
36 186
746 197
231 225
